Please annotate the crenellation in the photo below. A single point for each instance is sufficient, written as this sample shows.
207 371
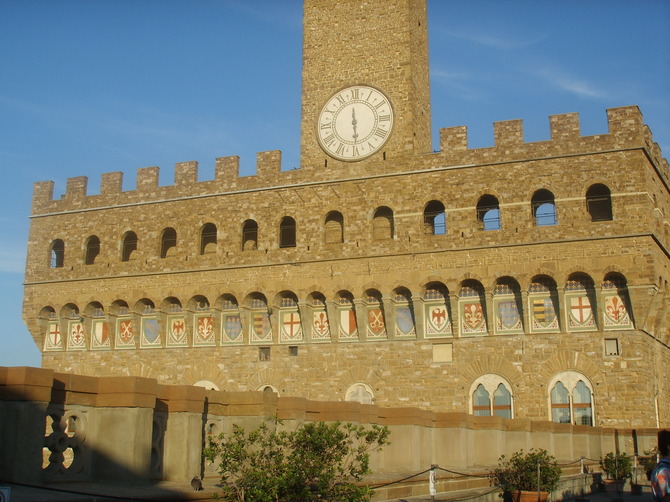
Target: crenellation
453 139
111 183
43 191
564 127
147 178
268 163
186 173
227 169
507 133
625 121
76 187
379 277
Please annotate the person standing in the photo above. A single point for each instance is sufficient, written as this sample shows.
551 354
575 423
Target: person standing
660 476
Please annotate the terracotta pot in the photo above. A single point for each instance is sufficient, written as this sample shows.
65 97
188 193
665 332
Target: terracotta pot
527 496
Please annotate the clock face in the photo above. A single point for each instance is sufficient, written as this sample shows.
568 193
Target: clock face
354 123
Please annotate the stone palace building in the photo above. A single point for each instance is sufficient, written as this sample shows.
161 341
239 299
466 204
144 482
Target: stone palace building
525 280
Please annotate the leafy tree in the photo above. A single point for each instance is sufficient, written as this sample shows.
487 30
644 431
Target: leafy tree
317 461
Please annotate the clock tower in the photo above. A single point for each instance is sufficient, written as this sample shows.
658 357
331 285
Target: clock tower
365 82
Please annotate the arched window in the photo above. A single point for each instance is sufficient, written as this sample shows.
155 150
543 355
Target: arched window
168 242
488 212
128 246
571 400
434 222
287 232
57 254
599 202
334 227
360 393
249 235
92 250
208 238
482 390
382 223
544 208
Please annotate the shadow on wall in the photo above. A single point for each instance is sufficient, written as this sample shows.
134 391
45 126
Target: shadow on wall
46 440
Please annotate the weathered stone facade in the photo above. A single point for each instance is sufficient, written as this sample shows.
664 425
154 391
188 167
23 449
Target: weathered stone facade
408 278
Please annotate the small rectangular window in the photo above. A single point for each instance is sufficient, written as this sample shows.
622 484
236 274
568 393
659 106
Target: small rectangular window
612 347
293 350
263 353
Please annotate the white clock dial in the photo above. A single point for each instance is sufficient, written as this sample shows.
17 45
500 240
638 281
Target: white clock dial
355 123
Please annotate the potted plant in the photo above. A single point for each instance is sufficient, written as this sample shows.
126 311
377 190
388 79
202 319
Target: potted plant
649 461
528 475
617 467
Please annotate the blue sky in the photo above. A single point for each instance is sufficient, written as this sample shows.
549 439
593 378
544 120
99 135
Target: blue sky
93 86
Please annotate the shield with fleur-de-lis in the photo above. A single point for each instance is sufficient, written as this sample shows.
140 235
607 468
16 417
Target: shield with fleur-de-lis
320 326
76 339
204 330
616 313
472 318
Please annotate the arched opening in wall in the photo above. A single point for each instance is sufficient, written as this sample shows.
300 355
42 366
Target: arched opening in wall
50 327
208 238
543 304
437 310
287 232
207 384
249 235
434 218
56 253
488 212
92 250
571 399
544 208
128 246
507 306
580 301
168 242
360 393
617 312
258 320
599 202
491 385
403 305
288 314
268 388
347 324
472 308
334 226
382 223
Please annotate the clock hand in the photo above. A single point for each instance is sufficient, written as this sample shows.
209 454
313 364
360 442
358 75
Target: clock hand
354 122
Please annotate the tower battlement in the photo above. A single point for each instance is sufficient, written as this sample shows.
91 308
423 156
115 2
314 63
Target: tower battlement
626 130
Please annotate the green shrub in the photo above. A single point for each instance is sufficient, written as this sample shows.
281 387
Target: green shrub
520 472
317 461
617 465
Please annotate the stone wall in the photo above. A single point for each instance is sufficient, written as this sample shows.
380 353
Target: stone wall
135 429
